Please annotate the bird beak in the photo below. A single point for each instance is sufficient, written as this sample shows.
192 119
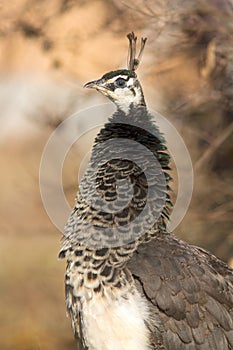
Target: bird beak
91 84
99 85
95 84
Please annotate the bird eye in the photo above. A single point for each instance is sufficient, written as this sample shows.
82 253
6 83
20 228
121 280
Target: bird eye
120 82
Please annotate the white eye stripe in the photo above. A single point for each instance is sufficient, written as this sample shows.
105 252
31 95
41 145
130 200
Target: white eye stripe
117 77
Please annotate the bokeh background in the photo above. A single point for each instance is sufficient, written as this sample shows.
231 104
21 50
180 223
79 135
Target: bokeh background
48 50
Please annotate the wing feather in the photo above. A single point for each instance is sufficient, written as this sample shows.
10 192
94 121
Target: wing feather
190 293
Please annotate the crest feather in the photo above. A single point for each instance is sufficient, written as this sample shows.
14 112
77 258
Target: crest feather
133 62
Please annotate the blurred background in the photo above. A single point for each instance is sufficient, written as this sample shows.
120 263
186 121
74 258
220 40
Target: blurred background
48 50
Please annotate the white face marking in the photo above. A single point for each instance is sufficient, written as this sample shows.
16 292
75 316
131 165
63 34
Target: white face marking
116 324
124 97
117 77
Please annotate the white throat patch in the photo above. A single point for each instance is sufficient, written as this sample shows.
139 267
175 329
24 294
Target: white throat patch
128 95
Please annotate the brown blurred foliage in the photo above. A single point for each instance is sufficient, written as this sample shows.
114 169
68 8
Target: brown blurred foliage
48 49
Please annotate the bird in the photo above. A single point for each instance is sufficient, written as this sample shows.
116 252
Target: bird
129 283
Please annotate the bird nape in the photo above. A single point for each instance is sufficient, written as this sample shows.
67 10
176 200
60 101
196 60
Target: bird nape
131 285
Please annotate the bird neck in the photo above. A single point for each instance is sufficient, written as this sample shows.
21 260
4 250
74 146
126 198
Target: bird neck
138 126
126 105
134 114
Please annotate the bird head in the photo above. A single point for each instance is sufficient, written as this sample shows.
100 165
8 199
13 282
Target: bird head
122 86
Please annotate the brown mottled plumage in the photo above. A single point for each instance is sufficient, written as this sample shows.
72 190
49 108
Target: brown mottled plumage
130 284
